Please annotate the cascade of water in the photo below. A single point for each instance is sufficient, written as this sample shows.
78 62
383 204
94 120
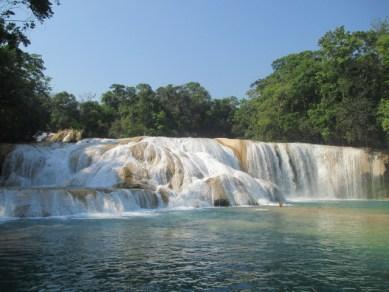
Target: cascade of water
316 171
186 171
290 166
43 202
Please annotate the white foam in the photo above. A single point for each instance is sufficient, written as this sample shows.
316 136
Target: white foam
180 173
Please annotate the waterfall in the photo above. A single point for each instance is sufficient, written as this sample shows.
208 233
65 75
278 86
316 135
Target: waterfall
116 176
320 172
43 202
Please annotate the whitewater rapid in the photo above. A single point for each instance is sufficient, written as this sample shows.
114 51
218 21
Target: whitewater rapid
118 176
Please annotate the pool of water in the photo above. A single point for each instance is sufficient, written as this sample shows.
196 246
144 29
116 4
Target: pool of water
312 246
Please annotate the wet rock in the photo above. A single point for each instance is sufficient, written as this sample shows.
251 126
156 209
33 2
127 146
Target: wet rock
65 136
239 147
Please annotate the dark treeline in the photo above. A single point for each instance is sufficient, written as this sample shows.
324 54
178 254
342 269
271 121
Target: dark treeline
338 94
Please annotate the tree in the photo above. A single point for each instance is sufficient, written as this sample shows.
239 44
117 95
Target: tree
23 95
199 102
12 31
335 95
176 108
279 103
23 86
138 111
186 108
118 95
383 115
243 119
94 119
220 119
351 85
64 112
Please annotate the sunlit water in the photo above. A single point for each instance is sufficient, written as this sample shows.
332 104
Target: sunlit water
325 246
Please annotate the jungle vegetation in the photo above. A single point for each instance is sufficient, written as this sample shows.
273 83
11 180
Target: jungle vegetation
337 94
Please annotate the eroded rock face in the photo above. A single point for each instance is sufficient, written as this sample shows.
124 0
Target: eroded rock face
148 161
239 147
133 176
219 196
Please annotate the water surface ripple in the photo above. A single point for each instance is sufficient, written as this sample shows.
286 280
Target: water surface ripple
328 246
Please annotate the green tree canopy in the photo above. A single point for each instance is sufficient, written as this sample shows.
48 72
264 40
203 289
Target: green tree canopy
24 94
64 111
24 89
335 95
12 29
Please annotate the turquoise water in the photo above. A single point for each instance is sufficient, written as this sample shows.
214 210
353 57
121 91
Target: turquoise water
322 246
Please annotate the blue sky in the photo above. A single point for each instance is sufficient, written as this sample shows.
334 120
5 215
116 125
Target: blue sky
223 44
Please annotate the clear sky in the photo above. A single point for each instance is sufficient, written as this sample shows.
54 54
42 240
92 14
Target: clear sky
223 44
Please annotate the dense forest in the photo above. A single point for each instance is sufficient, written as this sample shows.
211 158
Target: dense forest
337 94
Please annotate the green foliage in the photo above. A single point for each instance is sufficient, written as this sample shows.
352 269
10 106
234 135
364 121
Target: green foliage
136 110
12 31
383 115
338 94
185 110
279 103
64 111
220 119
118 95
23 95
94 119
242 119
327 96
23 87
